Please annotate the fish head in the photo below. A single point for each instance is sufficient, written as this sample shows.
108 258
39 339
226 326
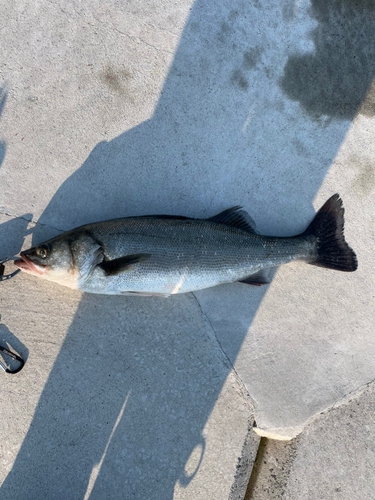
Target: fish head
66 259
50 260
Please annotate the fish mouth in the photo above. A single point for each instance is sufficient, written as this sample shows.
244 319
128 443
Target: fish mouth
26 265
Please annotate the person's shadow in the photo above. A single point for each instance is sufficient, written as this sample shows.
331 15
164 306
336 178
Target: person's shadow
135 381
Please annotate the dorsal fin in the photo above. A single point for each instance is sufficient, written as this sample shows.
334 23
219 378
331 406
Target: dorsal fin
176 217
236 217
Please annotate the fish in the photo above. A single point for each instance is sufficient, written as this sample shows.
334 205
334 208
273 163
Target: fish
163 255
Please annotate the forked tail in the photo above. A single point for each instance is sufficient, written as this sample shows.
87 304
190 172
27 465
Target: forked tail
328 227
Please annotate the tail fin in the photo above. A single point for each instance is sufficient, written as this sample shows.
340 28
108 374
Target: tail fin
328 227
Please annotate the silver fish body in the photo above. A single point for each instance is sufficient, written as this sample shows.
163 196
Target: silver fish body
185 255
162 255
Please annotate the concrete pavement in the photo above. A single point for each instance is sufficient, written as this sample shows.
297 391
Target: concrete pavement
112 109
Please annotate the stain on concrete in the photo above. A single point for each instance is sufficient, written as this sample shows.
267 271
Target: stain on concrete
288 10
251 57
224 32
116 79
300 147
269 72
194 26
336 79
239 80
233 15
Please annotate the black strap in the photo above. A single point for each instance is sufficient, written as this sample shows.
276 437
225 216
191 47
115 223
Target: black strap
2 270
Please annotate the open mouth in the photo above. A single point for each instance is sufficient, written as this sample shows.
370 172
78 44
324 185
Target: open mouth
26 265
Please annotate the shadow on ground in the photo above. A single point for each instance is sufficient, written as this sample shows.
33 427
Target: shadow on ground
224 133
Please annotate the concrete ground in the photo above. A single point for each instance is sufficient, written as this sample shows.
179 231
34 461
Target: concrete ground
112 109
332 458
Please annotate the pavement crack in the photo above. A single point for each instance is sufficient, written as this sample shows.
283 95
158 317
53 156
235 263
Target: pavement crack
242 386
137 38
14 216
349 395
134 38
343 400
165 30
218 341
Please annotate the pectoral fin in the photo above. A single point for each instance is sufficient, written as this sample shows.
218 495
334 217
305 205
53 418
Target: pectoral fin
122 264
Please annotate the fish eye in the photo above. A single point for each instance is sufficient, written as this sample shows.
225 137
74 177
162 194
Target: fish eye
41 252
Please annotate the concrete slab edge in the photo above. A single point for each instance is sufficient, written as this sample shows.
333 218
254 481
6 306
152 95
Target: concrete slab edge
289 433
245 464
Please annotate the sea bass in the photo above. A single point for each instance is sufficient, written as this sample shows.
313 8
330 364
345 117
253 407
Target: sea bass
163 255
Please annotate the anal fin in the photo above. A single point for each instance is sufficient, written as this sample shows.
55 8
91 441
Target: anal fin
257 279
146 294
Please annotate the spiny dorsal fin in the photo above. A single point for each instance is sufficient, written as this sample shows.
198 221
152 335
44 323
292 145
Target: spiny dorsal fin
236 217
122 264
257 279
